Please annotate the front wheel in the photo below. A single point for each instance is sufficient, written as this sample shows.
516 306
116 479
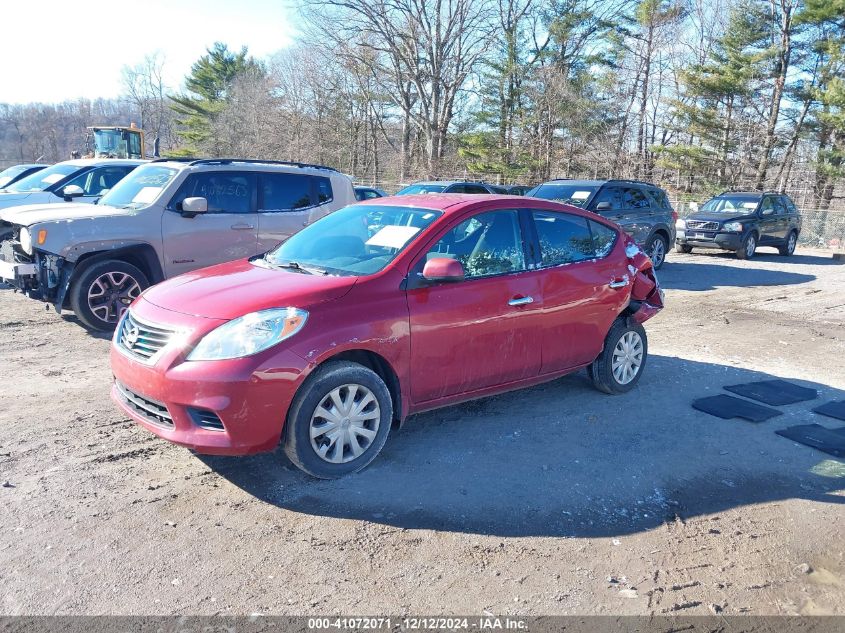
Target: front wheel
339 420
656 248
103 291
748 247
619 366
791 242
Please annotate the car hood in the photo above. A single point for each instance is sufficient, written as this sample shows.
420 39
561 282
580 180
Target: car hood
11 199
721 217
30 214
230 290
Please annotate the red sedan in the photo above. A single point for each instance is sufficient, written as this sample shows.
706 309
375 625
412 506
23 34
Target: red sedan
377 311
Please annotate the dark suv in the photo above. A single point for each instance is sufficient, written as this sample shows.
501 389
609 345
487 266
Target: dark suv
741 221
640 208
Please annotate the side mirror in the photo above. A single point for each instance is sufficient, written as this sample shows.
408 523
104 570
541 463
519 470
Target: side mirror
443 269
604 206
72 191
767 212
193 206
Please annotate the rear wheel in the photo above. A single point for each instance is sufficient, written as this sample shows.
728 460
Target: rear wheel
683 248
748 247
656 248
103 291
339 420
789 247
619 366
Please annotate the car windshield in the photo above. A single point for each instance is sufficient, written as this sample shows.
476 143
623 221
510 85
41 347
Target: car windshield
40 180
10 172
356 240
576 195
733 204
140 188
421 188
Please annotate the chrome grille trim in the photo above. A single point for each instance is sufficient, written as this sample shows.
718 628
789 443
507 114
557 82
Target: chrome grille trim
142 340
151 410
703 225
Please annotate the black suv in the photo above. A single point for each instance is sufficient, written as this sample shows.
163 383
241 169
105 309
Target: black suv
740 221
640 208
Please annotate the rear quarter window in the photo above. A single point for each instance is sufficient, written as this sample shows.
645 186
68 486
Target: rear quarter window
565 238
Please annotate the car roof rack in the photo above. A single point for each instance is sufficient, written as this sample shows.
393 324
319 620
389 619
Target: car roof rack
751 193
249 161
608 180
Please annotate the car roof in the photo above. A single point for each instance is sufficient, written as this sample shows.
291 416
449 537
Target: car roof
93 162
446 202
597 183
248 164
748 194
446 183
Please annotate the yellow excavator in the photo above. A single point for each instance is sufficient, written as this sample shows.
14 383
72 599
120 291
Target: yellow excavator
113 141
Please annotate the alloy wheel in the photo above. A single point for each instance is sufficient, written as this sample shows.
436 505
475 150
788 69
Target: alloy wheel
750 246
345 423
627 357
658 252
110 295
791 244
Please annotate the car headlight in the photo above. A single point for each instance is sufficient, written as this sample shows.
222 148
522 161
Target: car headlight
733 227
249 334
681 224
26 241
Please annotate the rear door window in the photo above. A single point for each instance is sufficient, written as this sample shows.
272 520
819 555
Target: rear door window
285 192
225 191
634 198
604 239
564 238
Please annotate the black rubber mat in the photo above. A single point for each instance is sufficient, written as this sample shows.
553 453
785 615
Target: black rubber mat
832 410
831 441
774 392
727 407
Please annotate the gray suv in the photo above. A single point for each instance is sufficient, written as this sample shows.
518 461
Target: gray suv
167 217
642 209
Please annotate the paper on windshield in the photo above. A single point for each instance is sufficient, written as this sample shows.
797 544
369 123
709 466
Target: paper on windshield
393 236
749 205
51 178
580 195
147 195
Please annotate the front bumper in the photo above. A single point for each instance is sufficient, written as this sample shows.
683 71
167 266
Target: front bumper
709 239
248 397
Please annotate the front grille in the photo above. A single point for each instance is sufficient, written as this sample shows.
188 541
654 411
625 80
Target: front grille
151 410
703 225
206 419
142 340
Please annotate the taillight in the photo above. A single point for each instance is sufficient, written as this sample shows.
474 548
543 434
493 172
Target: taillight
674 216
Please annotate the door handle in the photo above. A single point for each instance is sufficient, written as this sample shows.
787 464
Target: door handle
620 283
520 301
242 227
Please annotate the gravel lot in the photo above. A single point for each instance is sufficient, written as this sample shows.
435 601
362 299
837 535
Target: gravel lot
550 500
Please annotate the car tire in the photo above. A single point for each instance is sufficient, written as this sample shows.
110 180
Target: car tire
118 282
748 247
328 388
656 248
789 246
683 248
625 349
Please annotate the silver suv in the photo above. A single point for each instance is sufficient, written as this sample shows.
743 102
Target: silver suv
167 217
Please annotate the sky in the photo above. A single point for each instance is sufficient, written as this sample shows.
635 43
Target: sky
58 50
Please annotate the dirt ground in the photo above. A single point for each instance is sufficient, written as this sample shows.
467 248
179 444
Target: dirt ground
550 500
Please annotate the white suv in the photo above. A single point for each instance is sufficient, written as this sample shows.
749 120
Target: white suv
167 217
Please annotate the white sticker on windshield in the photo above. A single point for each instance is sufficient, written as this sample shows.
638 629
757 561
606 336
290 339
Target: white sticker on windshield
147 195
749 205
51 178
393 236
580 195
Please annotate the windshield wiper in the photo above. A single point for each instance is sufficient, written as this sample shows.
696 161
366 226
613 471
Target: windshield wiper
292 265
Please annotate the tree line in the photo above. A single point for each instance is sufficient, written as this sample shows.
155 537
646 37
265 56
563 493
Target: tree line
698 95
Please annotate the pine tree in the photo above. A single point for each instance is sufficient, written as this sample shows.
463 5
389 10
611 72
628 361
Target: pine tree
207 86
